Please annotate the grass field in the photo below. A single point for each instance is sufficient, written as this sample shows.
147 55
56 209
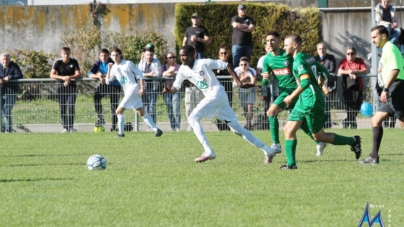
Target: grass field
152 181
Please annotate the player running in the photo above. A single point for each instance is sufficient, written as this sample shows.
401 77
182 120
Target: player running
199 72
280 64
310 105
125 72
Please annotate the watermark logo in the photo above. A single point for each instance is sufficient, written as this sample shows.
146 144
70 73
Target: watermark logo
366 218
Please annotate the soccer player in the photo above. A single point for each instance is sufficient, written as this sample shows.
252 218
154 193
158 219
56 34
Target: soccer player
125 72
310 106
199 72
280 64
392 96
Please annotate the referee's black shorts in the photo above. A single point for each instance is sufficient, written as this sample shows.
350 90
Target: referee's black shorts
395 100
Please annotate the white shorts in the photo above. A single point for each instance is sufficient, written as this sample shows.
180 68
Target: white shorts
215 104
132 99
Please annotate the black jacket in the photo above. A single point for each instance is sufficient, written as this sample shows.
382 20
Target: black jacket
13 71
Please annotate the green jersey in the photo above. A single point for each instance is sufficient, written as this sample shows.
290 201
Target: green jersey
312 96
281 66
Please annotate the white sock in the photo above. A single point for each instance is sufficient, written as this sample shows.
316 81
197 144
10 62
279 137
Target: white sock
149 122
199 133
248 136
121 121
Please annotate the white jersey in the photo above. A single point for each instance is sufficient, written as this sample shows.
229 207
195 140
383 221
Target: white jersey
126 74
201 75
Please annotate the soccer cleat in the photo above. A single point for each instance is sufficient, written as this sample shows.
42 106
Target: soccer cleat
205 157
356 147
285 167
120 135
320 148
276 147
159 133
269 154
370 161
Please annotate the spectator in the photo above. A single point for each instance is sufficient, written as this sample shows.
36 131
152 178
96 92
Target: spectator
150 67
267 90
197 36
113 90
247 75
330 84
385 16
350 67
243 26
173 101
9 70
66 69
225 56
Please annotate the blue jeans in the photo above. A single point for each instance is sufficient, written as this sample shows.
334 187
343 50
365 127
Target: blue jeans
149 103
200 55
173 104
7 105
239 51
394 35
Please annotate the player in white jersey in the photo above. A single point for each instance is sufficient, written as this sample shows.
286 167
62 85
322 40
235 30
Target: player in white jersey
125 72
199 72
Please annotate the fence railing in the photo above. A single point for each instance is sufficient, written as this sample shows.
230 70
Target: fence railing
36 107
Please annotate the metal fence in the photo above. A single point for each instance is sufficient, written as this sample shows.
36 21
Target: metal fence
36 107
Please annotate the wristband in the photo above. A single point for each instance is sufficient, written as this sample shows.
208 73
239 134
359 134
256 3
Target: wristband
385 89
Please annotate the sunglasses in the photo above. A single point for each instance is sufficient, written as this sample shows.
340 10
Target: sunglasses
242 65
223 53
173 57
350 53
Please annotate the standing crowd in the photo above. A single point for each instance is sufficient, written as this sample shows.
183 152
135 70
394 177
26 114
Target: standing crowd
299 83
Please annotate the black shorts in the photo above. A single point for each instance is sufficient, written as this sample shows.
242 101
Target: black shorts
395 100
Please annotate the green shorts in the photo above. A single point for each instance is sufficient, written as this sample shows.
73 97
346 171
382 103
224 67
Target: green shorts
279 101
315 118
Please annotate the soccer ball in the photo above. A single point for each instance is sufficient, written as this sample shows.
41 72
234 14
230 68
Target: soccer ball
99 128
366 109
96 162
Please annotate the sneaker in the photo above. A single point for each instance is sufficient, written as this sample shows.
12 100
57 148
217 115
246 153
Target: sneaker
159 133
119 135
64 130
356 147
320 148
100 122
206 157
270 154
177 130
72 130
277 147
285 167
370 160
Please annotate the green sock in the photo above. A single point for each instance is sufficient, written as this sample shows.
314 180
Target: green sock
306 130
290 148
343 140
274 128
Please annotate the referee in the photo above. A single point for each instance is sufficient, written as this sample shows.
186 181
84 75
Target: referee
392 96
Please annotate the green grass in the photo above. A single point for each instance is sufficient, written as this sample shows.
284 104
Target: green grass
152 181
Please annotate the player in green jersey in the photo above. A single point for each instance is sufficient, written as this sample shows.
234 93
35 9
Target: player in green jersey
310 105
280 64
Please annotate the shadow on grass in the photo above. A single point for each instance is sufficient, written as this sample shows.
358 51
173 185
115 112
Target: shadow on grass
45 164
38 155
32 180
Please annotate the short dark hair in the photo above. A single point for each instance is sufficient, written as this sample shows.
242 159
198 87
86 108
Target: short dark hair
295 38
189 49
116 49
273 33
66 49
244 59
381 29
105 51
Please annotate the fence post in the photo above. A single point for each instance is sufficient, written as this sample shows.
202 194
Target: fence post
136 122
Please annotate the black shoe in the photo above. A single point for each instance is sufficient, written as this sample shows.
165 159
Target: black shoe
114 129
100 122
370 160
119 135
159 133
285 167
356 147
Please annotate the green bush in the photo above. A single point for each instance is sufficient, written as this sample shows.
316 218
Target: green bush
216 17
